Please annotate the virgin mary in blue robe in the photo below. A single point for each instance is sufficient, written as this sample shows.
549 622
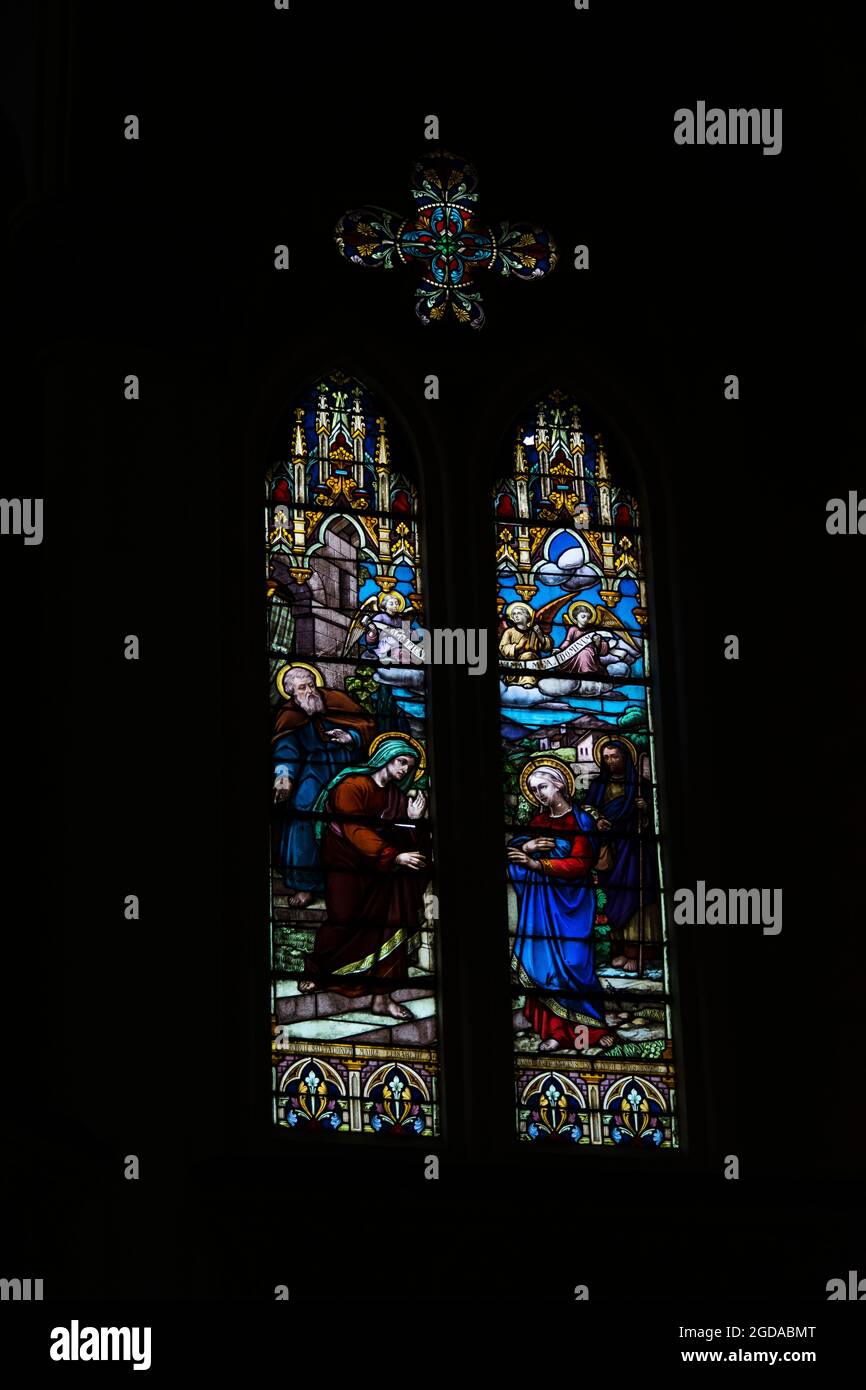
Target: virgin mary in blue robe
553 947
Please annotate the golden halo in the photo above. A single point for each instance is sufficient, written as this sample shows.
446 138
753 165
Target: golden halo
541 760
613 738
391 593
280 678
573 607
407 738
519 603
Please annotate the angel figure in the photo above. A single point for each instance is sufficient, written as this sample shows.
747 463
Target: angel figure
382 625
610 654
522 638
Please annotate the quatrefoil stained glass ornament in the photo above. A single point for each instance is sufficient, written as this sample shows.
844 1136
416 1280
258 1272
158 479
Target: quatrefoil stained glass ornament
445 241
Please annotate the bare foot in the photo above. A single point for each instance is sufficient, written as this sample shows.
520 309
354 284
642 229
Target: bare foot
384 1004
618 962
607 1041
629 968
306 986
299 899
549 1045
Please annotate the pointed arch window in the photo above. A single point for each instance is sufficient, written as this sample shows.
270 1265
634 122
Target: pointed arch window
587 936
353 912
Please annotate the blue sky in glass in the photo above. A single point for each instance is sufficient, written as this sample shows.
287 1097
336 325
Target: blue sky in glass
372 586
535 715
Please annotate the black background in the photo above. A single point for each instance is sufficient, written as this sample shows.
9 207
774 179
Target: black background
156 257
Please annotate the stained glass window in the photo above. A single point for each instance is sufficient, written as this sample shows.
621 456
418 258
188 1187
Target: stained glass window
353 912
587 936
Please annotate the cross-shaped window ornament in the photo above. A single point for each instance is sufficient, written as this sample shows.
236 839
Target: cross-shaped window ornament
445 240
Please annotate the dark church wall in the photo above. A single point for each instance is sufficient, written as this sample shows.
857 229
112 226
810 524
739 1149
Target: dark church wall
156 257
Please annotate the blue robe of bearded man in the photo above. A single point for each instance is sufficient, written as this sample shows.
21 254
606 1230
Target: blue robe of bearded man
303 752
627 869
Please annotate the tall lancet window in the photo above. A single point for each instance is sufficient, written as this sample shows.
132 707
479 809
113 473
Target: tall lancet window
587 936
354 989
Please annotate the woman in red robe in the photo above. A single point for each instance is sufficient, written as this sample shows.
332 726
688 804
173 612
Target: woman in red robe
373 855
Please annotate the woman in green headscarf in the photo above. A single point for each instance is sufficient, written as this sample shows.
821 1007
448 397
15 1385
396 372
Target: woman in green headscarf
373 852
